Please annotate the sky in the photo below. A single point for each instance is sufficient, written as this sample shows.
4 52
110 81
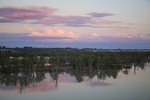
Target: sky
108 24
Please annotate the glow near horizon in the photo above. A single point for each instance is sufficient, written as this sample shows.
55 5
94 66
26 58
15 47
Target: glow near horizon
128 24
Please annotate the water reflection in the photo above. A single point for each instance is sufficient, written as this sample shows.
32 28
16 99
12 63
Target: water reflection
99 83
48 80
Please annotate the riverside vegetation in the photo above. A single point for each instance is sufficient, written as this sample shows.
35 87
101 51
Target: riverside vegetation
13 60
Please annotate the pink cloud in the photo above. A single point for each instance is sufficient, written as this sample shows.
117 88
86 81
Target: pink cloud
45 15
29 12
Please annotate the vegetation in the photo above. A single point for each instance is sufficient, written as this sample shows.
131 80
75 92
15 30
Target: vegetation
14 60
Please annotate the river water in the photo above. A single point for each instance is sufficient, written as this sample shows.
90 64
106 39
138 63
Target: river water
125 84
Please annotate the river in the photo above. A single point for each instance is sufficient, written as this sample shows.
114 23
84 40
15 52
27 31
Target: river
112 84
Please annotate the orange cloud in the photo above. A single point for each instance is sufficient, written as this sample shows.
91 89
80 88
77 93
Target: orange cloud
54 32
123 35
28 28
58 32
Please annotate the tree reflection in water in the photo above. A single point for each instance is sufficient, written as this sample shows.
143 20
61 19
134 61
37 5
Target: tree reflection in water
28 79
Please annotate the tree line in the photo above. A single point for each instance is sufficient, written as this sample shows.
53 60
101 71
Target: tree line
18 59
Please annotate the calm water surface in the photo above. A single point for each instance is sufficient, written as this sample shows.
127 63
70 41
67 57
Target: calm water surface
128 84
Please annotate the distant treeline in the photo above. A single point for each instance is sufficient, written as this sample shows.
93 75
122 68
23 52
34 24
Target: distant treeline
32 58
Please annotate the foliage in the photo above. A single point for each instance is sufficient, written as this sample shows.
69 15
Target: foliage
18 59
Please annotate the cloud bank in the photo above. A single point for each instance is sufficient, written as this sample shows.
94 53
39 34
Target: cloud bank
59 37
24 13
46 16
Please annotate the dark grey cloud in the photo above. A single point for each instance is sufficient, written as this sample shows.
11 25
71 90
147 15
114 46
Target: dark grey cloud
8 21
80 25
100 15
76 21
66 20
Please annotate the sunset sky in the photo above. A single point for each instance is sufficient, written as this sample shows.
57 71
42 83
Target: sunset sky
75 23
